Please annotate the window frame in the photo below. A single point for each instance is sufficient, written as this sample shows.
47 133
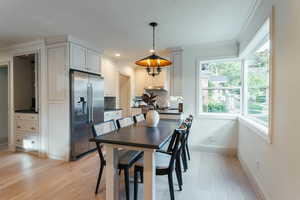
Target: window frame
210 115
264 131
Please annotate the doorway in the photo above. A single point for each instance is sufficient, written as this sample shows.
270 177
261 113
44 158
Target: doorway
4 107
124 94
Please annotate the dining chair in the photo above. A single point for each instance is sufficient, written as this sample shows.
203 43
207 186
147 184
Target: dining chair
165 164
123 122
139 118
184 152
190 120
126 158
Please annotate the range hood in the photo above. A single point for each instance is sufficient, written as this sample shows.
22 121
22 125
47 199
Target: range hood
156 88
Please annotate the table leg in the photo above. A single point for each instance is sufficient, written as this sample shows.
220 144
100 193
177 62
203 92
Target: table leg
149 175
112 177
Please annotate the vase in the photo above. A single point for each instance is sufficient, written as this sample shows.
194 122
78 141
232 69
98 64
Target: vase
152 118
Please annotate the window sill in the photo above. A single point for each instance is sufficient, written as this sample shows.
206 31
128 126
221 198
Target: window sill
259 129
218 116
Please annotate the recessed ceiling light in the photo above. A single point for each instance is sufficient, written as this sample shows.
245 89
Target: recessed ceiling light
117 55
152 50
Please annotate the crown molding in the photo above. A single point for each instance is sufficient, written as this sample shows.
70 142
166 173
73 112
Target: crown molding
251 12
20 46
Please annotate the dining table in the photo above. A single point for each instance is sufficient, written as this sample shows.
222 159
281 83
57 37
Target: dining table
138 137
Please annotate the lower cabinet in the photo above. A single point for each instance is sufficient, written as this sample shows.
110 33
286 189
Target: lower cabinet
26 132
135 111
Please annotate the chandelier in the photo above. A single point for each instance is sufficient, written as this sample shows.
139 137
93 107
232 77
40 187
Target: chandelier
153 63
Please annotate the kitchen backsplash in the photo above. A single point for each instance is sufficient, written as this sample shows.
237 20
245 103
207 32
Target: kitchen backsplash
110 102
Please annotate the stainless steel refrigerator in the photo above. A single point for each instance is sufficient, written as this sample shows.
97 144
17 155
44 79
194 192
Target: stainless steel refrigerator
87 107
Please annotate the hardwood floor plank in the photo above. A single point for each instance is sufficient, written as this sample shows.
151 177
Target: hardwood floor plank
25 177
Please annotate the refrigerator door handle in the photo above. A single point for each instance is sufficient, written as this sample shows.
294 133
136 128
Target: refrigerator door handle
92 103
89 102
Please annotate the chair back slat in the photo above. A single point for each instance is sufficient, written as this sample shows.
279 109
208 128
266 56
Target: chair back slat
139 118
104 127
101 129
124 122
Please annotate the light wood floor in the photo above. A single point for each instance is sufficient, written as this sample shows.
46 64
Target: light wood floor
25 177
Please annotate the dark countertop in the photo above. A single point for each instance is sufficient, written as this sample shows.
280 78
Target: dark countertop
115 109
26 111
169 112
139 135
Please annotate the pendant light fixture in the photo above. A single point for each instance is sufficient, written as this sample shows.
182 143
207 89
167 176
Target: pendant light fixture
153 63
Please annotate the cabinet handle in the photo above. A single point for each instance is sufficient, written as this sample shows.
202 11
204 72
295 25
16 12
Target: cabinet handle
32 142
18 126
32 128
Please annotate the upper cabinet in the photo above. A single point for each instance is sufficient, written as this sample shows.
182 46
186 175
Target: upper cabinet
84 59
93 61
110 73
175 73
77 56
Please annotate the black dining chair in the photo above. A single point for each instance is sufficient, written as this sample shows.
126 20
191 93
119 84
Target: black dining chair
126 121
190 120
165 163
126 158
139 118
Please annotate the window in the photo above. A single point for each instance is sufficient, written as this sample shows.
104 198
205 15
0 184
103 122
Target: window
257 86
220 87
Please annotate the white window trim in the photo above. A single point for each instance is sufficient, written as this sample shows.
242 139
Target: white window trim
265 132
256 127
207 115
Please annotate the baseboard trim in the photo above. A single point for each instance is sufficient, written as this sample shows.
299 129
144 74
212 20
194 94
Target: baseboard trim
232 152
4 147
254 183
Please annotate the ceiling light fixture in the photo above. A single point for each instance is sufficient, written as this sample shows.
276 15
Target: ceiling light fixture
117 55
153 62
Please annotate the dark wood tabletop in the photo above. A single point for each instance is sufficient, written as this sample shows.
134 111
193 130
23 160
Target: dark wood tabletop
139 135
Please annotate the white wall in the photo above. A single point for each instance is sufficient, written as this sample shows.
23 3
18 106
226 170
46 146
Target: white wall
4 104
278 173
207 134
113 67
128 70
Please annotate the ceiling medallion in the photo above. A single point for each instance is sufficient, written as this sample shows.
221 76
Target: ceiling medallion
153 63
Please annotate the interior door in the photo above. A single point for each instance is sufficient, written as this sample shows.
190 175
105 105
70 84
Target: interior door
80 113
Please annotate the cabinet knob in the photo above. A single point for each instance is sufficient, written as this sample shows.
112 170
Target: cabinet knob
18 126
32 128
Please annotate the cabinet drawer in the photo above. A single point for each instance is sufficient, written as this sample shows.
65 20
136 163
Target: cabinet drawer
19 141
26 116
27 125
30 142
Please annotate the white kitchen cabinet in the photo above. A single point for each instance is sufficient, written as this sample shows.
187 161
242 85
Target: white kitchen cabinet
110 73
77 57
93 61
26 131
57 72
175 75
84 59
135 111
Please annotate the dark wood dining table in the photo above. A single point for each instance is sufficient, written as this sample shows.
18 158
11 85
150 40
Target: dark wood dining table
136 137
